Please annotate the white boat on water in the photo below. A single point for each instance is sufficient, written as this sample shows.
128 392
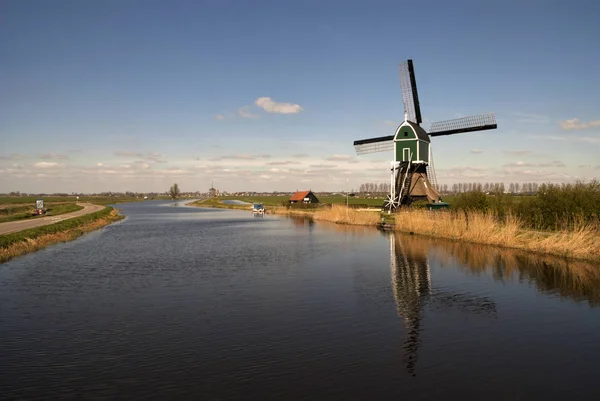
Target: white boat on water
258 208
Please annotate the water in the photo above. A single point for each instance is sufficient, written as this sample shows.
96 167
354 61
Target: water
205 304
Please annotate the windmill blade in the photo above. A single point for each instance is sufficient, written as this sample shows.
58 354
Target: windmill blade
372 145
410 96
479 122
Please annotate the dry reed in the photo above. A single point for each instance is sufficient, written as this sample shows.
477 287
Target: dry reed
32 245
582 242
339 214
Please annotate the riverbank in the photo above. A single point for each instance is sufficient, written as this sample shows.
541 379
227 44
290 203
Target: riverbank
582 242
24 212
31 240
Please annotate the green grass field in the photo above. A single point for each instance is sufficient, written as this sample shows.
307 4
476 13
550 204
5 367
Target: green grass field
278 200
12 213
98 200
8 239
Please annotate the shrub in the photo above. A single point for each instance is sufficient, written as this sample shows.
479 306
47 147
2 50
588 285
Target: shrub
564 206
471 201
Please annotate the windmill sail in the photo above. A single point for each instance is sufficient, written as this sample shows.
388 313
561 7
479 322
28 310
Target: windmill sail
410 96
373 145
479 122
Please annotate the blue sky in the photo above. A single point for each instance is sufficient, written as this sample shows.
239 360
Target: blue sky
269 95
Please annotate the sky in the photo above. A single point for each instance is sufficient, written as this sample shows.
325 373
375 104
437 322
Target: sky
124 95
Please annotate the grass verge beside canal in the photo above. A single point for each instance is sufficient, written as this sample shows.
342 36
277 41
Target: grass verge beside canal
19 243
13 213
581 241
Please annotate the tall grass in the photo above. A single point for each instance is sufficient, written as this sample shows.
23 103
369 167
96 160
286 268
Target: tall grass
343 215
582 241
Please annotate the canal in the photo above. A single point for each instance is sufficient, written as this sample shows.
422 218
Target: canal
179 303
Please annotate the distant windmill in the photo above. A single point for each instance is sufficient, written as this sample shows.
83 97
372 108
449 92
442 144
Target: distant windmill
412 162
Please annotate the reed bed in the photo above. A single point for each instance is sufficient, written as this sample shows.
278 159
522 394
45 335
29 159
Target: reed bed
33 243
339 214
581 242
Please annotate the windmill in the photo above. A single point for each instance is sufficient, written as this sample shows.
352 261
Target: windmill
412 171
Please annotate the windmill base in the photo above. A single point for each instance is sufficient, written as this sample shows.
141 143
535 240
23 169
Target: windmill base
411 185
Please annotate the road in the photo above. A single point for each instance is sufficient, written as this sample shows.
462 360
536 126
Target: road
19 225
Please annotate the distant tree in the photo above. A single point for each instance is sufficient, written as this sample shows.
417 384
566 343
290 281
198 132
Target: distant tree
174 191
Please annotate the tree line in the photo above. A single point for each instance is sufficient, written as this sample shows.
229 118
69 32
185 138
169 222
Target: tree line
526 188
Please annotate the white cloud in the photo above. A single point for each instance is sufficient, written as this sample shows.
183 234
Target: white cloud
390 123
555 163
53 156
322 166
14 156
127 153
151 156
584 139
518 152
588 139
280 163
271 106
340 158
575 124
531 118
46 165
219 117
519 164
476 151
245 112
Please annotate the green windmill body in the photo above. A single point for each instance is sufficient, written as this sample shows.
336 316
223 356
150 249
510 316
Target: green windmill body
412 174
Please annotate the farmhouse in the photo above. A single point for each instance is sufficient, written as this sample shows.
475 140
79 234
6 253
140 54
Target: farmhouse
304 197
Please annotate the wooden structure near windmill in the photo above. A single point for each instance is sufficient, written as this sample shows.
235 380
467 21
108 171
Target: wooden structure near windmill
412 173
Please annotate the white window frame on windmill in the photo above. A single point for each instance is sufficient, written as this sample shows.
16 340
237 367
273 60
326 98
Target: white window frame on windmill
405 153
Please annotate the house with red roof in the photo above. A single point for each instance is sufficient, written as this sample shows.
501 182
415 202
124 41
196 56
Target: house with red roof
304 197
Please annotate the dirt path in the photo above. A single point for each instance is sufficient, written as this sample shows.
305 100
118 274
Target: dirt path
14 226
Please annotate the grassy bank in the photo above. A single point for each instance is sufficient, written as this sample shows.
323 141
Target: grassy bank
339 214
12 213
582 242
19 243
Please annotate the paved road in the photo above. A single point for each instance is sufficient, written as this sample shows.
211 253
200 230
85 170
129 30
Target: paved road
14 226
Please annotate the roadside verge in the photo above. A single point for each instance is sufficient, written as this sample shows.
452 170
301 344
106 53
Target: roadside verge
33 239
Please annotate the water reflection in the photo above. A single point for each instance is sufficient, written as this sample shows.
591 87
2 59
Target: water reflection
573 279
412 289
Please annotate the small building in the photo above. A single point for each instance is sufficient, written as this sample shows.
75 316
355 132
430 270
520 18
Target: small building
304 197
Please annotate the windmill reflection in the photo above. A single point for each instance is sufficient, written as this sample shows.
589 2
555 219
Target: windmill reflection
412 289
411 285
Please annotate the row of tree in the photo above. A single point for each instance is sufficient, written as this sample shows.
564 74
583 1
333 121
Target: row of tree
513 188
371 187
497 187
